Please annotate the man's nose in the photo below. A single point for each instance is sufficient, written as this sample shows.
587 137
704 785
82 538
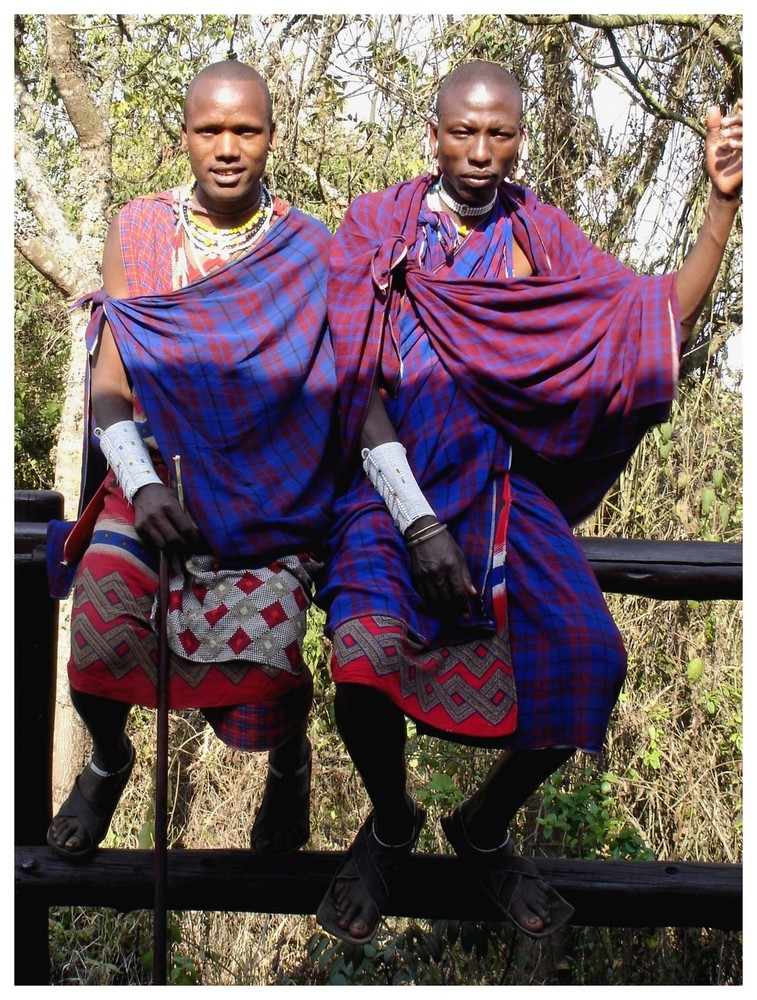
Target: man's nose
227 146
479 150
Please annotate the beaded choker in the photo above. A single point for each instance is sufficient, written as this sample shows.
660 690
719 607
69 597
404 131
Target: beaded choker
461 209
225 243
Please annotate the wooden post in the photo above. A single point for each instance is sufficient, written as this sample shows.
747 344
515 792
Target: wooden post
35 632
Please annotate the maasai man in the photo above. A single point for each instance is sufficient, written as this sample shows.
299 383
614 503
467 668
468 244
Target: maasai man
208 342
495 372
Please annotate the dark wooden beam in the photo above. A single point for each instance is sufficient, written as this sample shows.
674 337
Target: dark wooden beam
675 570
672 570
604 893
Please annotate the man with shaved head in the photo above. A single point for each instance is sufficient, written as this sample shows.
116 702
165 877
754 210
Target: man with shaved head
229 71
212 394
495 372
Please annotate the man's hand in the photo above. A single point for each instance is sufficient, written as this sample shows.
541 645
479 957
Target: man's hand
724 158
158 516
440 571
724 149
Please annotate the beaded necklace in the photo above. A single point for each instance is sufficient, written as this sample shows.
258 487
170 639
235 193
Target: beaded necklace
434 202
458 207
225 243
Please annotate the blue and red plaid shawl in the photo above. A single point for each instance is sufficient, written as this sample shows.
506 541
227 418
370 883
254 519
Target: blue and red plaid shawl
573 363
235 373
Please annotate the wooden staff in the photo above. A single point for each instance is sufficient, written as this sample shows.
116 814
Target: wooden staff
160 913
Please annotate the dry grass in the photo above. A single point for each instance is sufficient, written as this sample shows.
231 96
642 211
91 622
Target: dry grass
673 766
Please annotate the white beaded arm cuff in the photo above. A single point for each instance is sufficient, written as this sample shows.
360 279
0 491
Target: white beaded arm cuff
127 456
387 468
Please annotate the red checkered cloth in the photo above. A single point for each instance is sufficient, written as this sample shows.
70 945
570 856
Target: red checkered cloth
216 615
573 363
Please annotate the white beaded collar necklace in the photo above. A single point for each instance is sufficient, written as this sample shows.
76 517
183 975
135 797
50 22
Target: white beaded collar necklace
458 207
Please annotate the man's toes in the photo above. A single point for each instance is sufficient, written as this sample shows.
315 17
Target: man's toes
348 910
347 915
357 915
64 832
68 838
359 928
74 841
529 915
356 919
527 918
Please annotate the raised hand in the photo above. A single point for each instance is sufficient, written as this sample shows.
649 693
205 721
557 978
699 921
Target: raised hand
724 149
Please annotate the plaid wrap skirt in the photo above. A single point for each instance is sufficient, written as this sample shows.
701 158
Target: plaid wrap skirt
568 658
114 647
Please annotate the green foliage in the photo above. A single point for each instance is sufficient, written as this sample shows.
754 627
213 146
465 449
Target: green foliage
41 355
316 650
455 953
105 948
182 968
600 956
584 817
437 953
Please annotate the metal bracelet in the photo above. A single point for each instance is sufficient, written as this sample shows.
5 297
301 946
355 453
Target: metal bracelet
425 534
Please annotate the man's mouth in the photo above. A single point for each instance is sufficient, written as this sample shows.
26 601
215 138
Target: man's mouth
478 178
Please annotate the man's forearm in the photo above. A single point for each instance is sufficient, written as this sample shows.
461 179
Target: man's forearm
378 428
698 272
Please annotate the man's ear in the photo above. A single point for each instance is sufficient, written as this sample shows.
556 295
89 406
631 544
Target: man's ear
273 137
183 146
432 131
523 140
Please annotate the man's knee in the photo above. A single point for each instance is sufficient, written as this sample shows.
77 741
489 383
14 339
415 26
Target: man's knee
96 710
360 709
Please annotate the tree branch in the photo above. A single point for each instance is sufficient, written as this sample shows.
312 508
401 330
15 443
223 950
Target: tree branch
91 123
54 250
91 127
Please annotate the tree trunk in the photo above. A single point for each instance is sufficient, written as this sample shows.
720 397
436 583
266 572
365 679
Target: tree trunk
71 742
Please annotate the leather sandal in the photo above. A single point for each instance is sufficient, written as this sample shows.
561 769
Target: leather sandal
500 873
374 864
93 814
284 809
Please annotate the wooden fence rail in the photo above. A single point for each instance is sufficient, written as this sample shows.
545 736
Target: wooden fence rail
604 893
